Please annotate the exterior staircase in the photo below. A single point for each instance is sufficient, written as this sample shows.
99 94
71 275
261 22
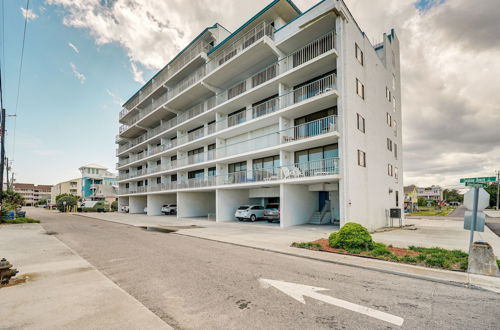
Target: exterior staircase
322 217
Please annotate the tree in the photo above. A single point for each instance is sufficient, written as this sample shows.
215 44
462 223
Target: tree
65 195
422 201
452 196
70 201
114 206
12 197
492 190
42 201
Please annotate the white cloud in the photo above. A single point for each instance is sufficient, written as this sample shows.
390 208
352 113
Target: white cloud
138 74
451 111
80 76
116 99
73 47
29 14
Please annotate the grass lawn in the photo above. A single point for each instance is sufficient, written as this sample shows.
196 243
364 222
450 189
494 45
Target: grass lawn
433 211
19 220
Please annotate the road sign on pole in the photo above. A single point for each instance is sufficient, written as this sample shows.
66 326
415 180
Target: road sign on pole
483 199
483 179
480 220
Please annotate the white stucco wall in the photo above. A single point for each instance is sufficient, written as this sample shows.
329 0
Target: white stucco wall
137 204
228 200
297 204
156 201
195 204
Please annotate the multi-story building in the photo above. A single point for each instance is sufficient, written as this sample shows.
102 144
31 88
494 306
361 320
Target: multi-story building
433 192
73 187
293 107
32 193
97 183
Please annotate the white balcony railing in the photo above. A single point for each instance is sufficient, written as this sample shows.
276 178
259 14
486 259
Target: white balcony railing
238 46
309 52
310 129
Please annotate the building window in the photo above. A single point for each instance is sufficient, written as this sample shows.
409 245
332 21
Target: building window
395 128
359 54
158 162
393 80
394 103
361 123
395 151
389 170
268 164
173 158
158 180
196 174
361 158
173 178
195 151
389 144
397 198
388 119
360 89
388 94
395 173
317 154
237 167
211 171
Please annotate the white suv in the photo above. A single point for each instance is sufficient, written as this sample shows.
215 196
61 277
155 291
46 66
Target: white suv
252 212
169 209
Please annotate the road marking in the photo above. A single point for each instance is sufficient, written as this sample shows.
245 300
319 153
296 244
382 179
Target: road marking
299 291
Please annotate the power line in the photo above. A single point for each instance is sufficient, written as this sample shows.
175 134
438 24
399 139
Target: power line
19 79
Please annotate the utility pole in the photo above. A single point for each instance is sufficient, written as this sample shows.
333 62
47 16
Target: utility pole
7 168
498 188
2 156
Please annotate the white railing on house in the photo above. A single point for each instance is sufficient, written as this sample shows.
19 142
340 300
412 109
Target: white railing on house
310 51
310 129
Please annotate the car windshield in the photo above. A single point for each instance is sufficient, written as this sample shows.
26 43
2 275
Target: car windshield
272 206
242 207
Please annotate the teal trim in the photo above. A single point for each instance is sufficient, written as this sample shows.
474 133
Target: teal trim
301 15
269 6
180 53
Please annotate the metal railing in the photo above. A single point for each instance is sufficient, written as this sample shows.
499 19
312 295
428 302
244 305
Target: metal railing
207 181
238 46
315 88
309 51
312 168
187 82
310 129
237 118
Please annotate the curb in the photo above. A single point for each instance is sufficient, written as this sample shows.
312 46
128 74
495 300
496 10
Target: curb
391 272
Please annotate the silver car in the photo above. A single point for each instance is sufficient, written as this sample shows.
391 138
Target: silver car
272 212
252 212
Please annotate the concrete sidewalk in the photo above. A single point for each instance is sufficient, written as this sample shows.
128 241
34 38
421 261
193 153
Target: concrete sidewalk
268 237
62 290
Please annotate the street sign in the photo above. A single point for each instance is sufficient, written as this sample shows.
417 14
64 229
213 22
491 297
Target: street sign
476 184
482 202
480 220
480 179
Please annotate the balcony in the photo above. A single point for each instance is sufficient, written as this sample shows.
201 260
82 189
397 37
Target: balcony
253 43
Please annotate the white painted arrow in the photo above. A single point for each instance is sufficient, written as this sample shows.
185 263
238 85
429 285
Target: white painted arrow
299 291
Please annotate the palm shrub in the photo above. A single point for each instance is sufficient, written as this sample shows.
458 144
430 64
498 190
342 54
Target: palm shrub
352 236
70 201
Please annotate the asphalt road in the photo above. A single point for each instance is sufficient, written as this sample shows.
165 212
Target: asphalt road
193 283
492 223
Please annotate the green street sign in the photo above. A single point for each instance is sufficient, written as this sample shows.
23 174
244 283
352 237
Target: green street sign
476 184
478 180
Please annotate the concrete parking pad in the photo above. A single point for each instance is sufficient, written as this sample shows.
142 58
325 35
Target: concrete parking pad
62 291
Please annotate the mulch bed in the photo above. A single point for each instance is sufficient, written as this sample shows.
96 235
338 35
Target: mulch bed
396 251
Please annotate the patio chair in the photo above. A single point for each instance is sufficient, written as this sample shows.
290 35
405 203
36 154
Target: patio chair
285 173
296 172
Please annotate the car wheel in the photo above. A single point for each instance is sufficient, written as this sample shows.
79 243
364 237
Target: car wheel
270 221
240 219
253 218
172 212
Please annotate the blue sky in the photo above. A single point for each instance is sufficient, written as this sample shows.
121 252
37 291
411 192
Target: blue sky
62 123
70 100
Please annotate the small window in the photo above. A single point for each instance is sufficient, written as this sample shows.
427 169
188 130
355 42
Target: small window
395 125
359 54
397 198
360 89
389 144
393 103
173 178
389 119
395 151
393 81
361 123
158 180
389 169
361 158
395 173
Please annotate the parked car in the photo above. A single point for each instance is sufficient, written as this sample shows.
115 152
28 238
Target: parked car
272 212
93 206
125 208
169 209
252 212
146 209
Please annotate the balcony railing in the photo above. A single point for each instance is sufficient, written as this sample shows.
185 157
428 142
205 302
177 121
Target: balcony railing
187 82
309 51
237 47
310 129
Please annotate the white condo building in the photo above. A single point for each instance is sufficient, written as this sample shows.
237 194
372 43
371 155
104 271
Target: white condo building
296 108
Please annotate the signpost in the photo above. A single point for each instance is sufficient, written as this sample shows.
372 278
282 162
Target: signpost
476 200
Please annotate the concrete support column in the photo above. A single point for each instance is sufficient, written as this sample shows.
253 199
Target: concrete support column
195 204
297 204
220 121
137 204
227 201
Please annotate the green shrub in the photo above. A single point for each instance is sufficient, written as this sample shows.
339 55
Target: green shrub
421 257
410 259
307 245
21 220
114 206
70 201
352 236
435 260
380 251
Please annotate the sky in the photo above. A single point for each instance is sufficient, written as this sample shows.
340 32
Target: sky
84 58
